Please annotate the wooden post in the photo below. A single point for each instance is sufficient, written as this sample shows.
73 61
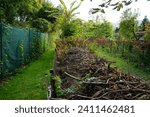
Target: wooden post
53 72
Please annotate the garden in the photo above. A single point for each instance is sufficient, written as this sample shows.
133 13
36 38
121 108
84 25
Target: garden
49 53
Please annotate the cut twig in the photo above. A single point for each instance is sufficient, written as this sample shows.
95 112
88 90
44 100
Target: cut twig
82 96
58 99
72 76
95 83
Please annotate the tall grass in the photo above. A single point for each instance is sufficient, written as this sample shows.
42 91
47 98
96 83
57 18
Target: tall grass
121 63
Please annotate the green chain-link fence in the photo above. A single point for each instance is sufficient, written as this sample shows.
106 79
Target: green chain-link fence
18 47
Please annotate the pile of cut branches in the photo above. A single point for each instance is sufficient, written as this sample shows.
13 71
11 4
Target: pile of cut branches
95 79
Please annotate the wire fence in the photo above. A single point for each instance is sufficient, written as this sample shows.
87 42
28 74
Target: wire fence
19 47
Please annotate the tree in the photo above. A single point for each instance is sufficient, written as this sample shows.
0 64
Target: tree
2 15
8 10
78 28
48 12
46 17
27 9
28 13
144 22
67 15
42 25
115 4
18 10
104 30
128 25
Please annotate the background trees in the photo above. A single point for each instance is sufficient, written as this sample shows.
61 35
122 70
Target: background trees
45 17
104 29
38 14
19 10
128 25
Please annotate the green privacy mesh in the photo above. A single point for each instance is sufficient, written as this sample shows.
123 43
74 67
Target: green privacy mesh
18 47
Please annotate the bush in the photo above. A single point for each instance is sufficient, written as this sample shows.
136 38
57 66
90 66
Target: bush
147 36
42 25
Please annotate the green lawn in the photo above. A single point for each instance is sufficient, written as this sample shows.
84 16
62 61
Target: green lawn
31 82
123 65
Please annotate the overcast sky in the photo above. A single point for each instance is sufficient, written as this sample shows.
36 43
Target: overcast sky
143 6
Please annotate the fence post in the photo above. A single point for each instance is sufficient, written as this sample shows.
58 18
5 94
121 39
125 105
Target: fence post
1 49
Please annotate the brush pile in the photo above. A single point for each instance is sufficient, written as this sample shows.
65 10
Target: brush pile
94 79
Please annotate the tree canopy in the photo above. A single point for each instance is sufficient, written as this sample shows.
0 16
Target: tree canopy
115 4
128 25
20 10
39 14
67 15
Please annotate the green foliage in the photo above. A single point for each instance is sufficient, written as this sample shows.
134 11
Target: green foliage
65 20
120 62
58 83
88 28
68 30
93 29
18 10
74 28
48 12
21 49
114 4
36 48
42 24
134 52
8 9
2 15
128 25
23 12
104 30
27 10
68 13
46 17
147 36
78 27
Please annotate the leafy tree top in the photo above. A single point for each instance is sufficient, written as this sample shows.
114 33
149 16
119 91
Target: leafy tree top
115 4
69 13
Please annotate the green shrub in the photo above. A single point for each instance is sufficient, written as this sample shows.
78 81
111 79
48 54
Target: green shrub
42 25
147 36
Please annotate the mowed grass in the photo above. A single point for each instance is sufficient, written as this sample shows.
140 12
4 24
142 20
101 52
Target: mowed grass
31 82
122 64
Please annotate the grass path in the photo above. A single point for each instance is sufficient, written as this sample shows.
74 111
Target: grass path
123 65
31 82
